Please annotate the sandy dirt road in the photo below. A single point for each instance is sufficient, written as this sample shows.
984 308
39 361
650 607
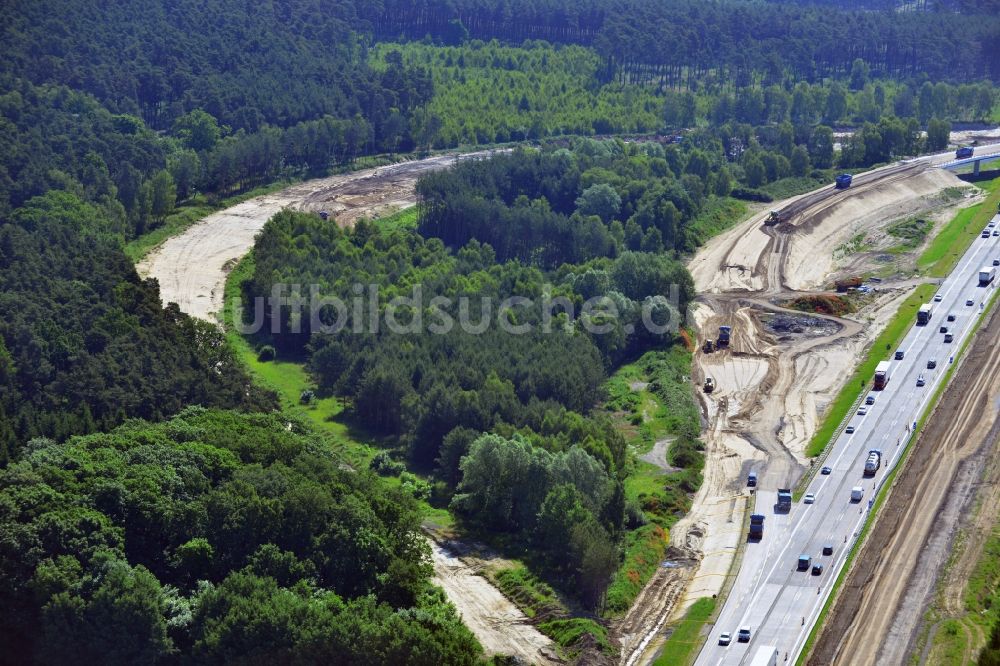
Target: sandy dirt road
192 267
499 625
877 613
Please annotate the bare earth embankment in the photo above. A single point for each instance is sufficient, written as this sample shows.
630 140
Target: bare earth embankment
192 266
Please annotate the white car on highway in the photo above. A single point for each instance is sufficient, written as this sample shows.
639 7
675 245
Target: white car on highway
809 498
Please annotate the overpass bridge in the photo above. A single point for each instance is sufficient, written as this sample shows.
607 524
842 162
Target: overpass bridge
988 153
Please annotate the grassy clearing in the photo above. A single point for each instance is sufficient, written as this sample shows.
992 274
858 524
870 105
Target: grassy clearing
644 550
401 219
911 233
186 215
568 631
661 407
531 594
717 216
950 244
652 400
790 187
853 246
288 378
681 647
859 381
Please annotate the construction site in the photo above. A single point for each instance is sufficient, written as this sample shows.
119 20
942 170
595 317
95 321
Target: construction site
766 383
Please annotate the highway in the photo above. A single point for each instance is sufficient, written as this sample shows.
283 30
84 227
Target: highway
779 603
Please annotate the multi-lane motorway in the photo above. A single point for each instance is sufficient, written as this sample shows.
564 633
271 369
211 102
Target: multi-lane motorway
780 603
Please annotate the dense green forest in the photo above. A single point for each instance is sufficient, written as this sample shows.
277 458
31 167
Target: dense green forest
683 41
487 92
223 536
213 538
505 423
278 63
84 342
176 118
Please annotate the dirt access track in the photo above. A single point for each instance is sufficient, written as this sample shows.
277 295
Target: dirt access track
771 385
877 613
191 269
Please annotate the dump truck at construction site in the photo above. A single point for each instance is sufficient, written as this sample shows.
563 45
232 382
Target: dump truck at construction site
724 333
756 527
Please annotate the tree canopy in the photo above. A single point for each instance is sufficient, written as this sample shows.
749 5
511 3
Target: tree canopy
214 537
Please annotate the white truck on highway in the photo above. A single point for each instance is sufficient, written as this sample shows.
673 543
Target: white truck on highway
881 375
857 492
924 314
766 655
986 274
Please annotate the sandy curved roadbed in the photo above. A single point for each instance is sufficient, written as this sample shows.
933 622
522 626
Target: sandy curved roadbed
191 267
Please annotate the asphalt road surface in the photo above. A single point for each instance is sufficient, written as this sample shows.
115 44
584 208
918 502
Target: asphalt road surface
780 603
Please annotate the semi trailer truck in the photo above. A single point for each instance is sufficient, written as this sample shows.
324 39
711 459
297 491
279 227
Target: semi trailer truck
766 655
987 274
881 375
924 314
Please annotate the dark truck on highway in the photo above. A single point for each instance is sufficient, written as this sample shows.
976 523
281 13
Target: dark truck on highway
784 500
756 527
963 152
843 181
